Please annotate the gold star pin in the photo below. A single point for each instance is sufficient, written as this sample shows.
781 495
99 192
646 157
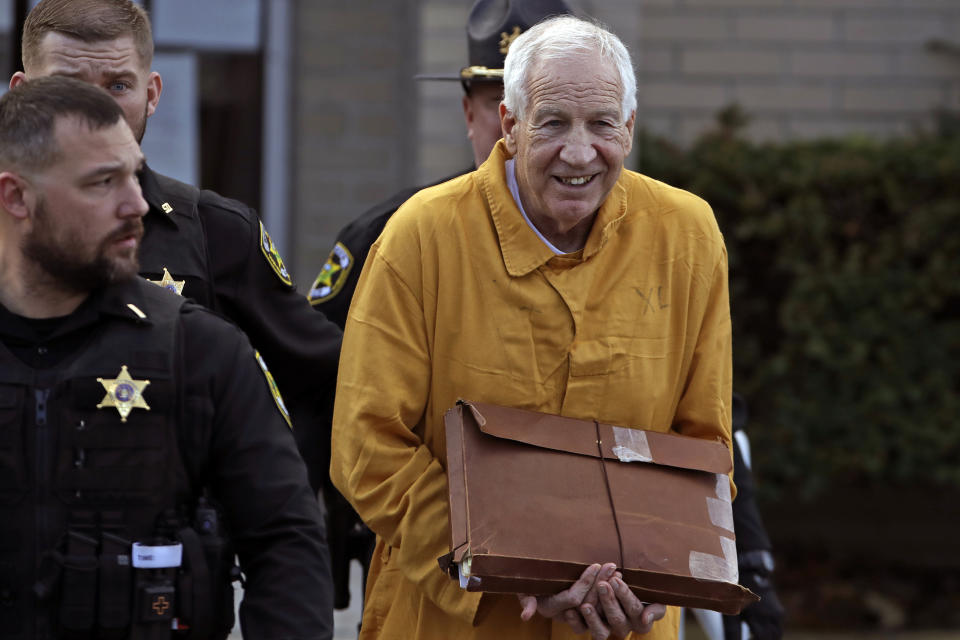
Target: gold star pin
167 282
124 393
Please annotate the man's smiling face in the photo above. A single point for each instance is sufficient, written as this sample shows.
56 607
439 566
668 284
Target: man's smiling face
571 145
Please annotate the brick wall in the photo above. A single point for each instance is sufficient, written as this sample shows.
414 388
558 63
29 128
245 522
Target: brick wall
801 68
363 127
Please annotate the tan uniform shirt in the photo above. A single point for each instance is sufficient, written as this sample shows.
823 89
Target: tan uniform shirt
460 299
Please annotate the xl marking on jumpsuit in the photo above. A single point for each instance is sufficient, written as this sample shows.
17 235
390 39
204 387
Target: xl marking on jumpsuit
648 299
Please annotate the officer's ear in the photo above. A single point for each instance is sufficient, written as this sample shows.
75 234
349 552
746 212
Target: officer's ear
17 79
507 123
154 89
16 195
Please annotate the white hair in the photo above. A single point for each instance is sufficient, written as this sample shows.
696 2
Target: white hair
556 38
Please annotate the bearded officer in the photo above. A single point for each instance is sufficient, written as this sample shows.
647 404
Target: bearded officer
122 405
197 243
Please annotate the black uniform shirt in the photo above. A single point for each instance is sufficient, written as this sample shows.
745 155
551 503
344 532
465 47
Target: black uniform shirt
245 284
248 457
333 288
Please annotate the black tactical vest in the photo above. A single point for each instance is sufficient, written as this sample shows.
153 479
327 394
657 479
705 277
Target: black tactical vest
175 239
78 484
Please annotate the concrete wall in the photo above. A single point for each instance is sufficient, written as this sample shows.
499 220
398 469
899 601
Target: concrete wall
351 120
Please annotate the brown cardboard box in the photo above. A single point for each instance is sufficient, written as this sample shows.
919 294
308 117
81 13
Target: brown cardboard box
536 498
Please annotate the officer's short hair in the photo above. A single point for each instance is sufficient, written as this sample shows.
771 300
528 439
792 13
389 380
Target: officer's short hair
29 112
87 21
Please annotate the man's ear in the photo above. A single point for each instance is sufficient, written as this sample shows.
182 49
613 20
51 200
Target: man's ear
17 79
507 122
468 115
629 125
154 89
16 195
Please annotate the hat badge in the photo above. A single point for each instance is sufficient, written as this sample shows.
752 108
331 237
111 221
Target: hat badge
506 39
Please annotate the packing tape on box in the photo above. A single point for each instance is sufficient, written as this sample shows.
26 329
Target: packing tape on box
631 445
707 566
721 507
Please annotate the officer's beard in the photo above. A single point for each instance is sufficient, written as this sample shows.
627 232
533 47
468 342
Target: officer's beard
140 128
62 260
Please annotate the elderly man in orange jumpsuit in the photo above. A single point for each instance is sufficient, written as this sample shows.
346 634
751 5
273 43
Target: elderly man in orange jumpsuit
550 279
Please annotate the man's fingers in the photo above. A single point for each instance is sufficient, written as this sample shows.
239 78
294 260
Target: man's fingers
607 572
574 621
552 606
528 605
591 615
616 618
631 604
581 587
653 612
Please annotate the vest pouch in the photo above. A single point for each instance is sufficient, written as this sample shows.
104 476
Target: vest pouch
78 587
115 587
221 560
155 567
193 583
205 589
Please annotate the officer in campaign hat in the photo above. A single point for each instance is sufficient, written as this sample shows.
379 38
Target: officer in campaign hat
491 27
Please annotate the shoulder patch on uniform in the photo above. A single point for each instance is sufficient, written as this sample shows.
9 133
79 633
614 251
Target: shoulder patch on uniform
274 390
332 276
273 256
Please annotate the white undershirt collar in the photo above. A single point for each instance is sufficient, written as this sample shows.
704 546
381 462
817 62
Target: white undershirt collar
515 192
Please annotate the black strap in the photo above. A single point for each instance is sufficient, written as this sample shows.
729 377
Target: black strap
115 603
199 611
606 482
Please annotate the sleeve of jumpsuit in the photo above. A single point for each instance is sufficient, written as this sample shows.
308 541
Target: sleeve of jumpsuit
379 460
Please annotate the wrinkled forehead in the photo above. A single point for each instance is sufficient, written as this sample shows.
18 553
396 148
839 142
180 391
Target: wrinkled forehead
577 79
65 55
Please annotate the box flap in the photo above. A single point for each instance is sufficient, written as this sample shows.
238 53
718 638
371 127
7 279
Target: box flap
453 423
580 437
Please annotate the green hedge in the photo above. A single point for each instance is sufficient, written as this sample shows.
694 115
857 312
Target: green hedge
845 295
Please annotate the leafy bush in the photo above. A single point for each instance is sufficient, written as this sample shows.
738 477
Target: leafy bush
845 296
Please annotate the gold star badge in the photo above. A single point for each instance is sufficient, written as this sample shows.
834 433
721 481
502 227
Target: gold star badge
124 393
167 282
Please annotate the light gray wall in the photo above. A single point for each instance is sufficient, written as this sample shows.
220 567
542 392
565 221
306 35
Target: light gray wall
801 68
352 122
362 127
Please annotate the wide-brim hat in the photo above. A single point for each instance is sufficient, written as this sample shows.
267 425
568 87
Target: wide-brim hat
492 27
